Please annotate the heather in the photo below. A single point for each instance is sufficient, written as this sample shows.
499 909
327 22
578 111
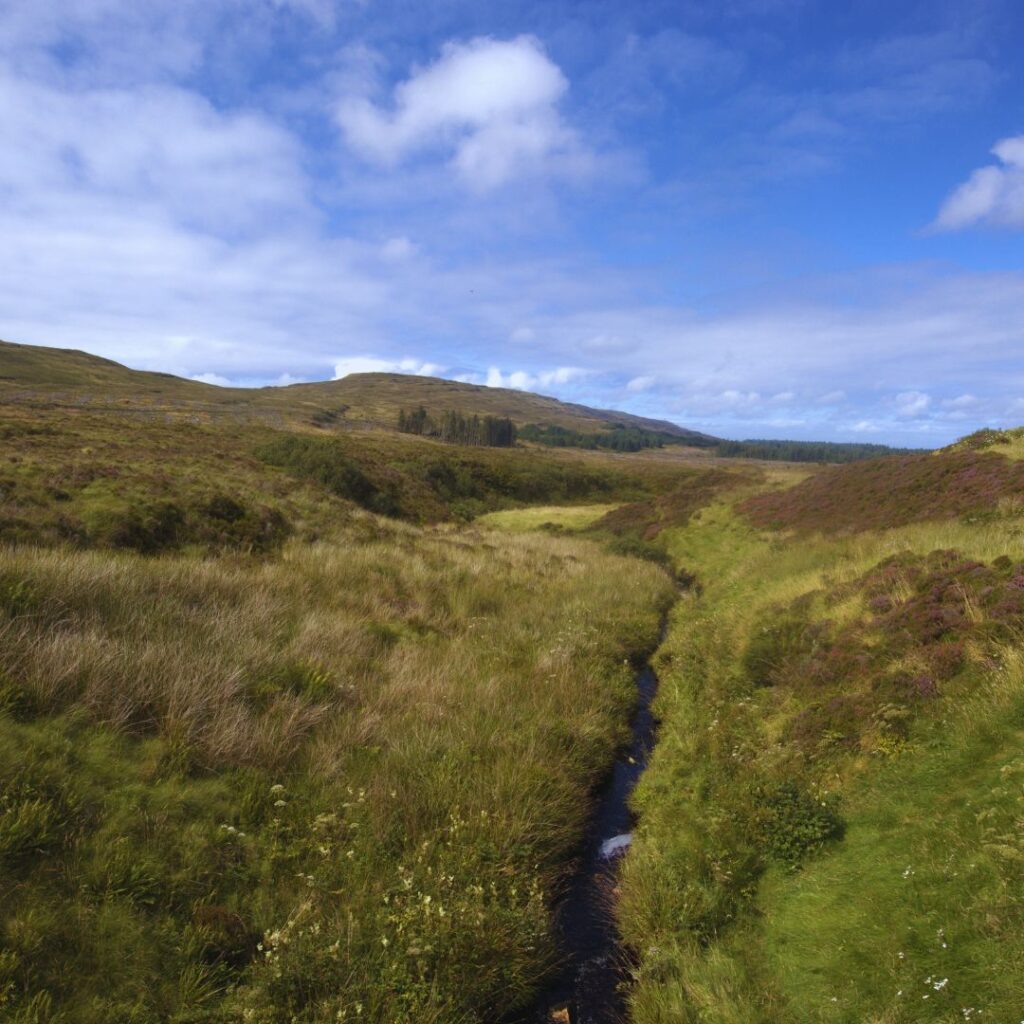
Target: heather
895 491
115 479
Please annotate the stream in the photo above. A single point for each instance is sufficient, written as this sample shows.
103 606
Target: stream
586 991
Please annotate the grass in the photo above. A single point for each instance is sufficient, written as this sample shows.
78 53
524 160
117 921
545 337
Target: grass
117 480
803 663
563 517
357 784
284 738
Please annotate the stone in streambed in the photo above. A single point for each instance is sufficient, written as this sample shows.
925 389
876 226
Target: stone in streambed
616 846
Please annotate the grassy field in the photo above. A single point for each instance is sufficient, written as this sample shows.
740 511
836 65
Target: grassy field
831 826
282 737
117 479
340 783
287 736
562 517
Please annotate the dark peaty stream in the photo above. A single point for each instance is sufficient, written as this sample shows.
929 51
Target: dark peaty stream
588 986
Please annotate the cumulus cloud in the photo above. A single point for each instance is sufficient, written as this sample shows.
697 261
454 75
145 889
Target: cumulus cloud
991 195
960 402
373 364
490 104
212 378
522 380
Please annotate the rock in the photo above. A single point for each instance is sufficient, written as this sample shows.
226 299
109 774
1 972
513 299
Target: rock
616 846
560 1016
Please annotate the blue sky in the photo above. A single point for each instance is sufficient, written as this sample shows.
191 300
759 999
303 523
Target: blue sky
759 218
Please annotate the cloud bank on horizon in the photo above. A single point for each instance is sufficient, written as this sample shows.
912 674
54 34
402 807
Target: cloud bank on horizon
760 219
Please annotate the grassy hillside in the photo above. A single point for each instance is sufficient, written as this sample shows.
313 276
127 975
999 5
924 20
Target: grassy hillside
114 479
33 376
831 830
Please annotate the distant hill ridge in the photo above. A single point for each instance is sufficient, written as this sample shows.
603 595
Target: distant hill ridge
38 374
360 398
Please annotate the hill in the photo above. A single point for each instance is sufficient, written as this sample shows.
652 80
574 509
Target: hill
35 376
33 373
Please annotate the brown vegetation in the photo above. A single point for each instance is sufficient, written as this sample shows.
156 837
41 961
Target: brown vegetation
890 492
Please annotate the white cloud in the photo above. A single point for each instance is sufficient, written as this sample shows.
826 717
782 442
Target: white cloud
156 146
521 380
866 427
212 378
960 402
831 397
373 364
644 383
491 104
911 404
991 195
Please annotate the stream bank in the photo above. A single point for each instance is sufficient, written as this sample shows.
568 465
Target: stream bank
587 990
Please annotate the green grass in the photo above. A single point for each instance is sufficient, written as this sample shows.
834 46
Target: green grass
924 899
726 930
284 738
116 480
372 757
562 517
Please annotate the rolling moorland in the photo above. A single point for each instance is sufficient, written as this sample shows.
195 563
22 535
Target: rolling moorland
300 716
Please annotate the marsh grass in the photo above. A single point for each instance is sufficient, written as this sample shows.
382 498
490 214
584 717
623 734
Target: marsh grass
338 783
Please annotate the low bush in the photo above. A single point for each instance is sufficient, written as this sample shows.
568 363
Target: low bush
792 824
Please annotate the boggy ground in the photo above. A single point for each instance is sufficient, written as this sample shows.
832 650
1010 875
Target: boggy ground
832 824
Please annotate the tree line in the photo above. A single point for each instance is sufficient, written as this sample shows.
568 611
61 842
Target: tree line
616 438
805 451
456 427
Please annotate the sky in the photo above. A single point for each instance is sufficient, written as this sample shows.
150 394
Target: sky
756 218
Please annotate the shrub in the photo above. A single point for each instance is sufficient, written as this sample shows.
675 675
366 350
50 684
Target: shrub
324 461
792 824
774 644
146 527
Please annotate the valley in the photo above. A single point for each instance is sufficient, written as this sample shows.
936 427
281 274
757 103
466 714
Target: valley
306 719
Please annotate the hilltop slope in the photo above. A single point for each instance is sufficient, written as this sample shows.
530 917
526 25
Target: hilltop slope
30 373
